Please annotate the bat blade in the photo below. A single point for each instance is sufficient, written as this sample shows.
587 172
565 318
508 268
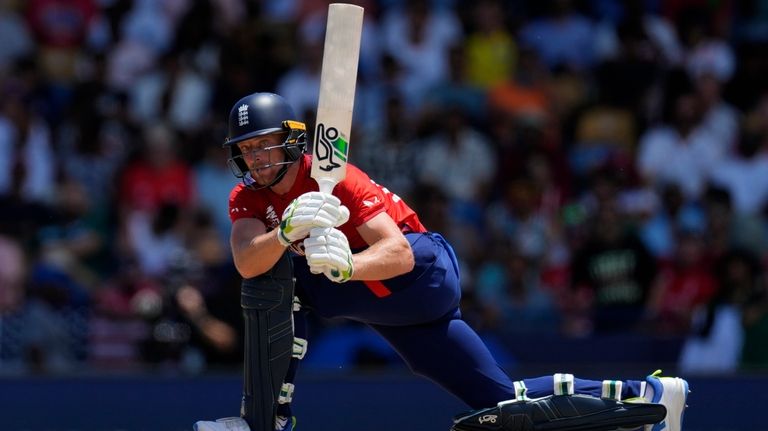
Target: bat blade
338 79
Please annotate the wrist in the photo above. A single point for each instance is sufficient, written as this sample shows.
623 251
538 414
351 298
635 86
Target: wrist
282 239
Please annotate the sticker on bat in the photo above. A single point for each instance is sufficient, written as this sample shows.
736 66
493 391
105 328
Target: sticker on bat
330 145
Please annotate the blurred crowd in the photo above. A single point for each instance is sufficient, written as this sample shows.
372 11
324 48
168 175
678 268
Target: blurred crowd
600 166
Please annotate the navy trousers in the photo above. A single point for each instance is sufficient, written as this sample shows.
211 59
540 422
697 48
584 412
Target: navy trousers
418 314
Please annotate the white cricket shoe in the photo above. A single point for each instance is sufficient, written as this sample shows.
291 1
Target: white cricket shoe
283 423
672 392
223 424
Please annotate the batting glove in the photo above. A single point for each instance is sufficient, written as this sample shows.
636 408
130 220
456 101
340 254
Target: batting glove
327 251
308 211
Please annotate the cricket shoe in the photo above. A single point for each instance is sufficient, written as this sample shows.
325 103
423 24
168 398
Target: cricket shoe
283 423
223 424
672 392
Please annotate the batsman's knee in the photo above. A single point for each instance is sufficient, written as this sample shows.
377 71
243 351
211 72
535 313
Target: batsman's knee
270 290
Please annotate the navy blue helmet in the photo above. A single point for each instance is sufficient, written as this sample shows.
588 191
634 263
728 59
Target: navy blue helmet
261 114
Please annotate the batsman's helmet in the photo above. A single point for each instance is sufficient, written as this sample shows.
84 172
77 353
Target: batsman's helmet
260 114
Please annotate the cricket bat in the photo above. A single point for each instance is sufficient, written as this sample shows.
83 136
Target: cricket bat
338 78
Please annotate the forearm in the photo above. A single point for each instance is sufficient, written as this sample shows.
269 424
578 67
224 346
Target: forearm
257 255
385 259
216 332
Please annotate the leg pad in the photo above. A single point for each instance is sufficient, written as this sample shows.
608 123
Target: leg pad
267 303
561 413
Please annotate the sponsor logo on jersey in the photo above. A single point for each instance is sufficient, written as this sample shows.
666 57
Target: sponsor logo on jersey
271 216
371 203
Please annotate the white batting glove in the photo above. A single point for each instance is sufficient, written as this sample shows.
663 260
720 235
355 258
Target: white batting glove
308 211
327 251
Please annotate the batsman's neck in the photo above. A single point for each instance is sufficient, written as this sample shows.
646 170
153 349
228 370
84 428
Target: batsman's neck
285 184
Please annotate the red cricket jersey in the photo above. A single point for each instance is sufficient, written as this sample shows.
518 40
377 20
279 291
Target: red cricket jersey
358 192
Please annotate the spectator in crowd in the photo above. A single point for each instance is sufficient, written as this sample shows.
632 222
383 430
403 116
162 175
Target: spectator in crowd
563 37
205 299
16 34
612 274
60 41
754 353
511 293
683 286
715 345
120 325
95 137
659 41
386 152
13 285
720 117
157 175
669 215
42 315
300 84
419 37
457 146
515 218
680 151
706 51
454 90
742 175
212 183
491 49
175 90
75 238
27 164
523 97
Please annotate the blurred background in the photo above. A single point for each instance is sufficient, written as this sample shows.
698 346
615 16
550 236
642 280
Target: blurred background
601 168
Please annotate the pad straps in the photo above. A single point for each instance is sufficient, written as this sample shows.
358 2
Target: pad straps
286 393
521 391
612 389
563 384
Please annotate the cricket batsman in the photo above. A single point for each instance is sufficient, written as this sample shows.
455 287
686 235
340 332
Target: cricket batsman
362 254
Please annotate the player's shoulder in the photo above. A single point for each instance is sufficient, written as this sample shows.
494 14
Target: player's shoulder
355 179
239 192
237 189
357 173
306 162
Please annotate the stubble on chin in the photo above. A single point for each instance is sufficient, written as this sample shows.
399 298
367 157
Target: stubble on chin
261 176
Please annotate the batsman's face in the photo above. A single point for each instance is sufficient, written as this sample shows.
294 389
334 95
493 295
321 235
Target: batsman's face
263 155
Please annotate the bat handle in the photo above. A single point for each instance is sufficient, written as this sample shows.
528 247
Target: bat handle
326 185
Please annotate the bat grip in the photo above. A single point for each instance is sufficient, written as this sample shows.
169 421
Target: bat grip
326 185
